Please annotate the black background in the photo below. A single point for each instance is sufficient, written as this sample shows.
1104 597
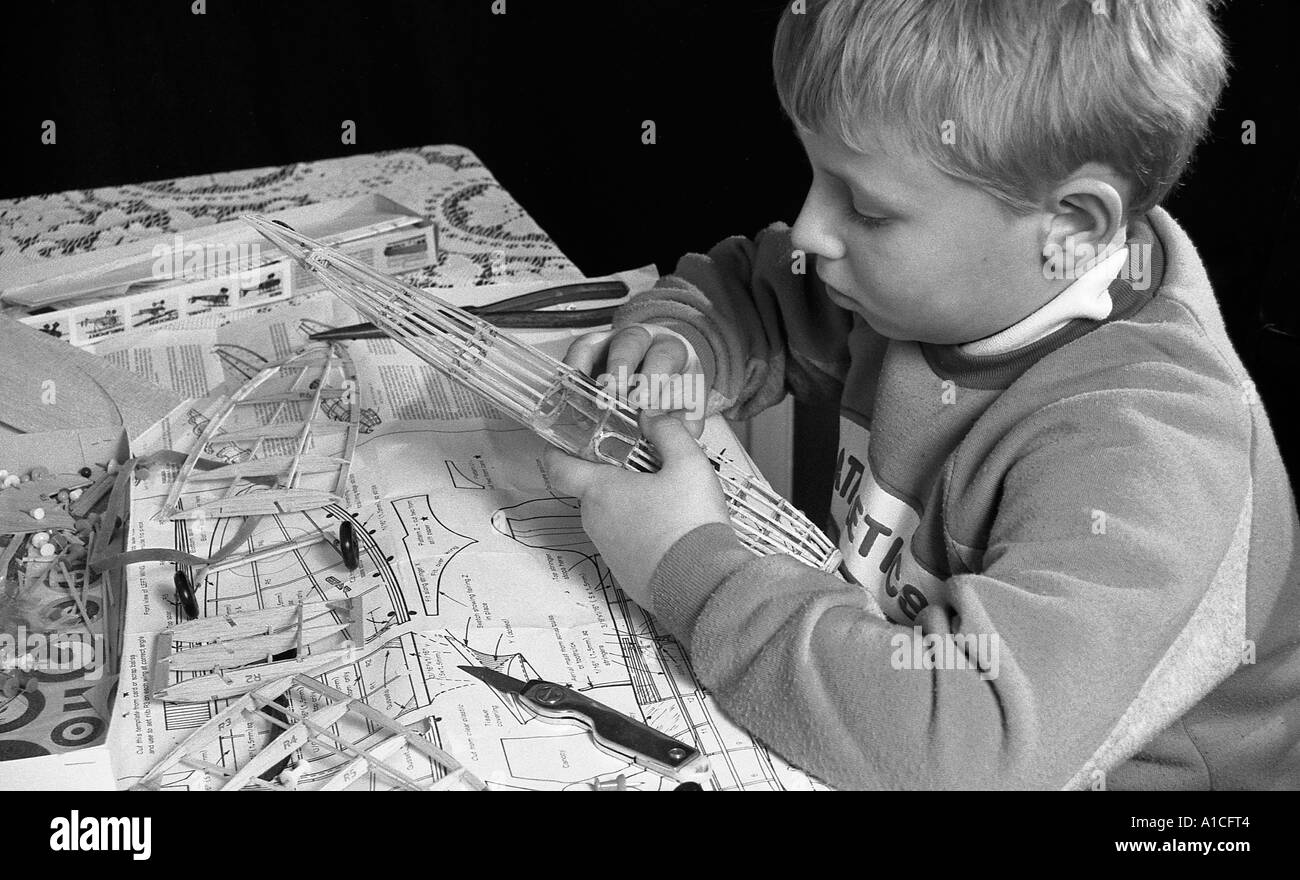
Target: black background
552 96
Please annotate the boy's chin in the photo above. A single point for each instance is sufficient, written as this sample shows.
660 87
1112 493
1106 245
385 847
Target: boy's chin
900 334
875 322
889 332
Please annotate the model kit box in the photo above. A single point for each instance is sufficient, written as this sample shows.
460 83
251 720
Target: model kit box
60 621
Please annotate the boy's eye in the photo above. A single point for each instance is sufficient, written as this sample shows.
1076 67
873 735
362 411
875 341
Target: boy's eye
867 219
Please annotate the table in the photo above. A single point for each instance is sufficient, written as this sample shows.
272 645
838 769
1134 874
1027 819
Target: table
486 234
485 237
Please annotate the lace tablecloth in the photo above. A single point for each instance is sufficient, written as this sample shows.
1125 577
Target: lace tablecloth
484 235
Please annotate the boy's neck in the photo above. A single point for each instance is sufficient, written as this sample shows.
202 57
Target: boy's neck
1087 296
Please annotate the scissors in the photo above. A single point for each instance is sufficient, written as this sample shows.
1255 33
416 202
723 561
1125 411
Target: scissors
521 311
612 731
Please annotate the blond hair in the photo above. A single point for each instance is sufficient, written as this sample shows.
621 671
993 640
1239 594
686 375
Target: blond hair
1011 95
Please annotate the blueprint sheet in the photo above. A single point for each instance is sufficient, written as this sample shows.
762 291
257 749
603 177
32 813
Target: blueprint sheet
467 558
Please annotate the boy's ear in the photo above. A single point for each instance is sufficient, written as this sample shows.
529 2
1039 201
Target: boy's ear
1085 218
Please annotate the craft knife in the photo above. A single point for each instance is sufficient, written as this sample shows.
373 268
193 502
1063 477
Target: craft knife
612 731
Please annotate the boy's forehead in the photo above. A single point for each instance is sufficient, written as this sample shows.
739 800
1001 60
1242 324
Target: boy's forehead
887 165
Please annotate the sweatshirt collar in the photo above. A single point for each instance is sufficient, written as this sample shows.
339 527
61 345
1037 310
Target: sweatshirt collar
1087 297
1136 282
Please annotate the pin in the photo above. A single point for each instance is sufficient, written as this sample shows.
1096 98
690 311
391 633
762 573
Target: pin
290 776
38 513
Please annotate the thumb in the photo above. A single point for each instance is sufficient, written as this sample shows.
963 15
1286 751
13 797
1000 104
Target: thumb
671 438
569 475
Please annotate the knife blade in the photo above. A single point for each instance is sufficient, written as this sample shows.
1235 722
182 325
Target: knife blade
612 731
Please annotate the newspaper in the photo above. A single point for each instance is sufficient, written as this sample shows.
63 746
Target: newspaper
468 558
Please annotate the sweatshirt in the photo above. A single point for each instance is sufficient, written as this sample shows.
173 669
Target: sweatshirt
1071 556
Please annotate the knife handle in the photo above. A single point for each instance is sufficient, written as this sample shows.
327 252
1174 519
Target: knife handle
612 729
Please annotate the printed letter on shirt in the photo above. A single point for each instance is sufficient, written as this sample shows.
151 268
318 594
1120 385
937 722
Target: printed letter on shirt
876 537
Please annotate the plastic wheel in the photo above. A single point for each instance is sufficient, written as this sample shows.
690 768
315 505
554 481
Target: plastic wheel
185 595
348 545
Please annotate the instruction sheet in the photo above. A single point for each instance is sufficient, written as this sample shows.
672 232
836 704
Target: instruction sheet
468 557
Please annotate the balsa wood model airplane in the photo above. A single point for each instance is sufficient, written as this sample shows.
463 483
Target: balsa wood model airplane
238 651
318 731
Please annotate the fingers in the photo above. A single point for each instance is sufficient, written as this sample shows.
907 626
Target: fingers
569 475
641 369
626 350
587 349
694 426
660 381
672 439
666 355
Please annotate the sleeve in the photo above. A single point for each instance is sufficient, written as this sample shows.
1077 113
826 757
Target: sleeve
758 319
1090 631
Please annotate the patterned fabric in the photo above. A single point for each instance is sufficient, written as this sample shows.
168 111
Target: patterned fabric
484 235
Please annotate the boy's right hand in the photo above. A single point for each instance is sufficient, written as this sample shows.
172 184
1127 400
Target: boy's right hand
653 372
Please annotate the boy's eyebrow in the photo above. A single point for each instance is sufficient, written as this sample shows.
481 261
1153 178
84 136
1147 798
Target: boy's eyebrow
858 189
865 194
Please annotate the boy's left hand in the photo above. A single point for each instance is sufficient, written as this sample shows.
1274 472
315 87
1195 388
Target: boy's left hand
634 518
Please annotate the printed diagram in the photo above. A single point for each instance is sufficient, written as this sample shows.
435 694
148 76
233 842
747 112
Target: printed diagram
428 546
157 312
206 302
103 324
546 524
466 558
646 674
515 665
270 287
469 475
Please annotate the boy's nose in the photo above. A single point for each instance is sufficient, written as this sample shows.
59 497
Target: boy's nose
813 232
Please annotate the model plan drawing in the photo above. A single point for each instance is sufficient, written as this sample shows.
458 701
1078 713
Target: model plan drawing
465 557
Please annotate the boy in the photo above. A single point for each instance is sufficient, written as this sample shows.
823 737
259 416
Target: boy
1070 547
